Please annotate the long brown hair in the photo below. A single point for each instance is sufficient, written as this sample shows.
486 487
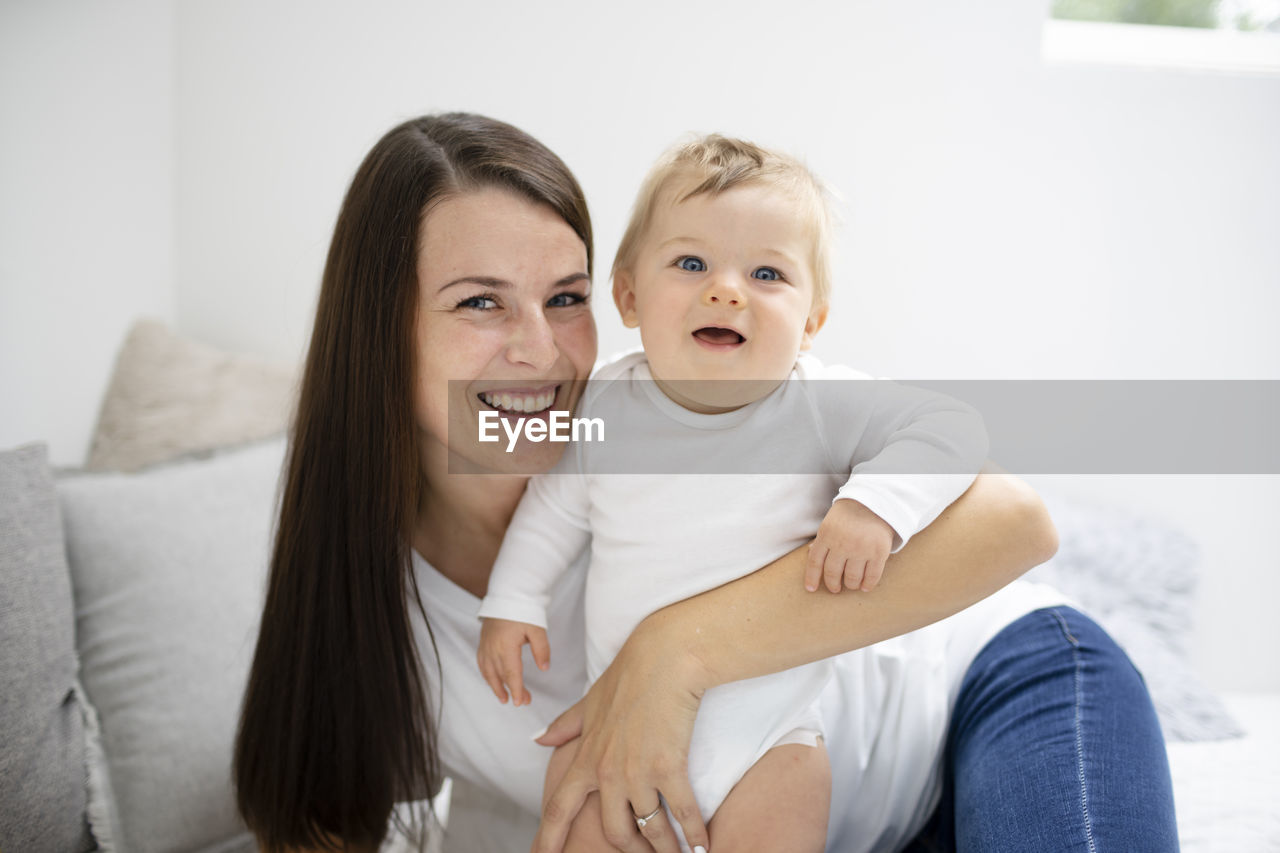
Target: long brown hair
336 725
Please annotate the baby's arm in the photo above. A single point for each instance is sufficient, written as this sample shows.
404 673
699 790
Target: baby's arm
912 452
546 535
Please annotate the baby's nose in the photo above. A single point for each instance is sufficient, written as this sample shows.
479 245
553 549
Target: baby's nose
724 290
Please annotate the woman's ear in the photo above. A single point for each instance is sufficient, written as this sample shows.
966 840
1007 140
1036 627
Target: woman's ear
624 296
817 318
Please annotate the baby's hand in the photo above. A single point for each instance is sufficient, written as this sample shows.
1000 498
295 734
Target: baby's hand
852 545
501 643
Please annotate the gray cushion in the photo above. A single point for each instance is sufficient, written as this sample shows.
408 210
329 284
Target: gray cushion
168 568
42 763
1137 577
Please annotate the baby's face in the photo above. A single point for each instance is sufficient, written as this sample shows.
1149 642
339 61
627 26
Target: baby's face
722 289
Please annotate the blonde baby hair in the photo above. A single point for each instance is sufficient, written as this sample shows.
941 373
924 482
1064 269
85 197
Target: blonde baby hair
715 163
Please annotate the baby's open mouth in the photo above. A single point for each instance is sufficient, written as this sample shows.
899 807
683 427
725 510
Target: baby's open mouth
520 401
718 336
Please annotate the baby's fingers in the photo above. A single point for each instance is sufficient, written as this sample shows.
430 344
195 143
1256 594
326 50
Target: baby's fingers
513 675
834 571
540 647
854 572
872 575
813 568
491 677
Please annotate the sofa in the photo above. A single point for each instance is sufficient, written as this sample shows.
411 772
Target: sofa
132 589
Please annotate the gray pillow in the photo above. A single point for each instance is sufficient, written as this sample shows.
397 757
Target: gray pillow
42 762
1137 577
168 568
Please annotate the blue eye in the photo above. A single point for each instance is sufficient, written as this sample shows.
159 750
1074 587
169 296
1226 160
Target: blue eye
766 274
564 300
691 264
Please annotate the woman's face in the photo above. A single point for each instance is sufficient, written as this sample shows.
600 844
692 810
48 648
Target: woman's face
504 327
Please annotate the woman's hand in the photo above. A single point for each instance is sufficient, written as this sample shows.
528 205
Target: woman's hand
635 724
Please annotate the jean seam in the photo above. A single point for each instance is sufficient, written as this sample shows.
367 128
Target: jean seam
1066 629
1079 728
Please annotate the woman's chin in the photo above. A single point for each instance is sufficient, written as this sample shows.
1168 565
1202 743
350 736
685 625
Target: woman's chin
524 458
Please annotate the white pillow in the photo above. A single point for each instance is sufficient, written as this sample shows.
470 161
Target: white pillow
1137 577
168 569
171 396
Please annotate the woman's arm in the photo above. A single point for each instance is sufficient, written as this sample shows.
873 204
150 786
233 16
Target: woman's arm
637 719
990 536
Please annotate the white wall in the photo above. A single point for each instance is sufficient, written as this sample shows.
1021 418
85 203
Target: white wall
1095 222
86 185
1003 218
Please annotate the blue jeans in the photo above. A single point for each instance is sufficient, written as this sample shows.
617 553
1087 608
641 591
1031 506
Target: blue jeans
1053 746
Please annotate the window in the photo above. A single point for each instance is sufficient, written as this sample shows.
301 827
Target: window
1213 35
1243 15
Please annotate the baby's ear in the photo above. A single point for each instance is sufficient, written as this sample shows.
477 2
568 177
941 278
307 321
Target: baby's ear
817 318
624 296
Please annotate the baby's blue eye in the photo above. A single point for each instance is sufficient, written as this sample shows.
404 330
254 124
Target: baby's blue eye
766 274
691 264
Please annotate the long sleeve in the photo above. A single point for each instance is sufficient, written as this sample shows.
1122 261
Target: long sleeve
912 452
545 537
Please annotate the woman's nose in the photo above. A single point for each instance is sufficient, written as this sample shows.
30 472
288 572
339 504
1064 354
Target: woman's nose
724 290
533 342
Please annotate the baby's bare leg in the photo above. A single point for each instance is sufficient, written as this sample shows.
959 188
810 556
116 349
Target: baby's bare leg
782 803
587 833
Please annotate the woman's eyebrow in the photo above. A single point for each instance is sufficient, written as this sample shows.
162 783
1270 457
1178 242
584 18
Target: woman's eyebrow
482 280
490 281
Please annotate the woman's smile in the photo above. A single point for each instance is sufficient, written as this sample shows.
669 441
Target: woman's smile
522 401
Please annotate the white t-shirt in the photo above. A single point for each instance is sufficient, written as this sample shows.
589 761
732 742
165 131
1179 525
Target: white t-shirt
885 715
480 740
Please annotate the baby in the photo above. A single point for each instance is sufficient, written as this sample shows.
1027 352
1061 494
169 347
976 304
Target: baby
724 269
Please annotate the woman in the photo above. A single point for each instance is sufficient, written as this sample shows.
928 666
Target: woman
460 271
